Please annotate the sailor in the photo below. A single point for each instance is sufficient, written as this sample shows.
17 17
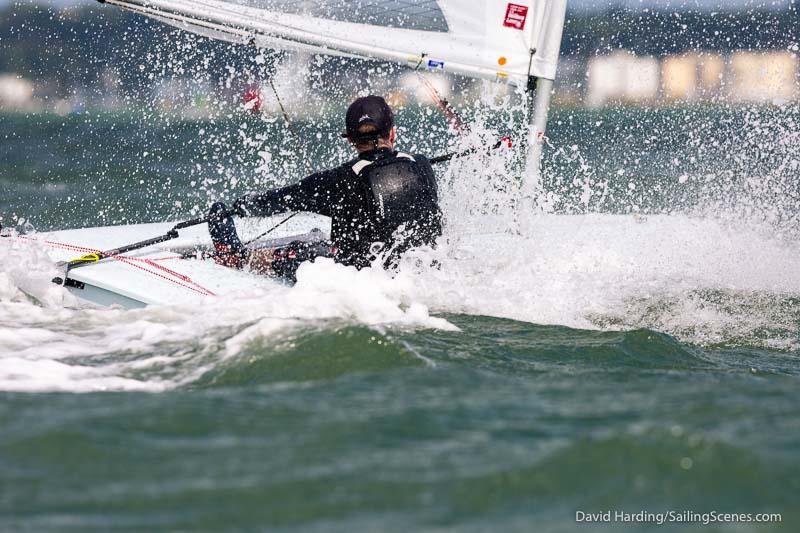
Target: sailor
382 202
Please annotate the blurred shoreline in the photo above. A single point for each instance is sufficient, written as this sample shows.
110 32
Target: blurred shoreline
66 60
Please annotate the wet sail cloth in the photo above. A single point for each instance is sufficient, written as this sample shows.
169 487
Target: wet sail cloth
490 39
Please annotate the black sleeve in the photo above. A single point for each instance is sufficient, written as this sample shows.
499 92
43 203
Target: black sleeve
316 194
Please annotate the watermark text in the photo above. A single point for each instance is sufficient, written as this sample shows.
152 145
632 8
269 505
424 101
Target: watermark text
675 517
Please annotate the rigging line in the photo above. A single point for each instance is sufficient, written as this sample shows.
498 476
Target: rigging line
289 124
254 239
297 138
283 109
246 243
270 230
291 129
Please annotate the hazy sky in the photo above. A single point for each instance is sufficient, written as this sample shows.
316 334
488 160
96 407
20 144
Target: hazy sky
578 4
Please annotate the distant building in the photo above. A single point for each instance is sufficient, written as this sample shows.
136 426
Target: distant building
622 78
692 77
744 77
16 94
570 81
761 77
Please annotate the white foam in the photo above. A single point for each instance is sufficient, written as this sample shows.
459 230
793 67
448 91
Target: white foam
586 271
45 345
24 375
498 257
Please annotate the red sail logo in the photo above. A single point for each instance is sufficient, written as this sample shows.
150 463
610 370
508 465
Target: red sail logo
515 16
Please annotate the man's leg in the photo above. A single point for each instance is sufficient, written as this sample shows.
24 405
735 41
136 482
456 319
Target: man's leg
228 248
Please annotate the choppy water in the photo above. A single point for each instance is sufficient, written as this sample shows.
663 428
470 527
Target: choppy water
585 359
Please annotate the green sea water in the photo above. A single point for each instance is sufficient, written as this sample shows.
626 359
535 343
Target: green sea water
669 399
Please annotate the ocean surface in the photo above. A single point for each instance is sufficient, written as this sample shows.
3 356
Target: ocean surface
622 336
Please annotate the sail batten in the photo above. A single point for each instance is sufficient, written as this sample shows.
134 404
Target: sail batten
487 39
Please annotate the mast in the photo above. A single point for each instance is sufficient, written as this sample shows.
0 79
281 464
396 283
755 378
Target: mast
539 91
546 48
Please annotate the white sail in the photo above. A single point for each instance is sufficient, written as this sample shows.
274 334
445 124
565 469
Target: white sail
490 39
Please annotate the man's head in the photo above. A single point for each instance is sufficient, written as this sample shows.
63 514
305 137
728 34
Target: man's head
369 124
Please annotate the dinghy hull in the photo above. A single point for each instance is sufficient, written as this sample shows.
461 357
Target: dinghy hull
171 272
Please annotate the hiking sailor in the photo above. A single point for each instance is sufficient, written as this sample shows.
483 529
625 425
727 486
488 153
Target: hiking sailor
383 196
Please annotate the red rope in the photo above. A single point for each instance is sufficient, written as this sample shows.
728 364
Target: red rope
132 262
450 114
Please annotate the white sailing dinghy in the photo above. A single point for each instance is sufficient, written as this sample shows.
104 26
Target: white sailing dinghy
173 271
514 42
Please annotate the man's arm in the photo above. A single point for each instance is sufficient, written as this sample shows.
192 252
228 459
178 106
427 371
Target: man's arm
314 193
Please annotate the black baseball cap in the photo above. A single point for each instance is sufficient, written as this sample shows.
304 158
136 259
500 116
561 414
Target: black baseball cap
368 110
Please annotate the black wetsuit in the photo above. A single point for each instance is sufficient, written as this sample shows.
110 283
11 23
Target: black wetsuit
382 196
